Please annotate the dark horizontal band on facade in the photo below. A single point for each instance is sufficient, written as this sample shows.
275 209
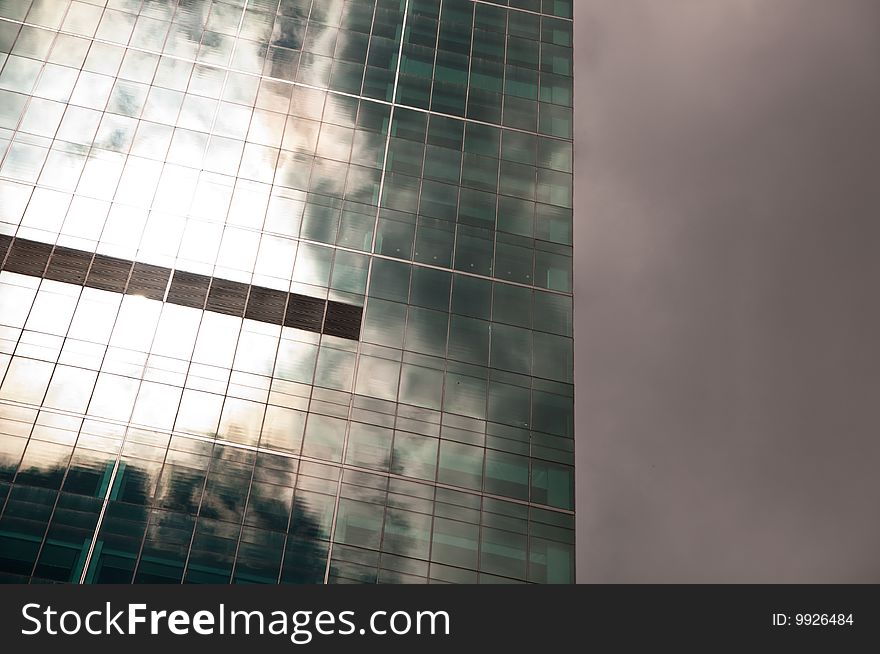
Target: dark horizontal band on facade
187 289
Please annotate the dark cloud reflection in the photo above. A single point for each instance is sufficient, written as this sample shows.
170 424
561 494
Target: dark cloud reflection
728 366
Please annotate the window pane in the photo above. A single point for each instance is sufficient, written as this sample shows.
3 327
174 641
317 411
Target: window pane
552 484
461 465
406 533
324 437
369 446
414 456
358 523
507 474
454 543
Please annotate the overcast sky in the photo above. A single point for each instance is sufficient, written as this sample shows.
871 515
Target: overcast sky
728 304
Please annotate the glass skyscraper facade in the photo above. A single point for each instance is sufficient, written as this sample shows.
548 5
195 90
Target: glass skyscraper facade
286 291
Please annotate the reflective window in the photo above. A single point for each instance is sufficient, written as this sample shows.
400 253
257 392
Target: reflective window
265 283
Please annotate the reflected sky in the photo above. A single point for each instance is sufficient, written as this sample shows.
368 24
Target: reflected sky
276 144
261 147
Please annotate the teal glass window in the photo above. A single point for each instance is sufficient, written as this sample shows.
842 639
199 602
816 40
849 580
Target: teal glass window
553 313
488 45
521 82
406 533
556 59
258 559
418 54
519 147
482 139
490 18
481 173
357 16
420 386
454 543
368 148
434 241
311 517
413 90
554 120
530 5
443 164
509 404
512 305
522 52
451 67
430 288
373 117
520 113
469 340
552 484
503 553
269 506
369 446
513 261
445 132
553 271
405 156
414 455
552 413
550 562
349 272
553 357
477 207
409 124
518 180
516 216
473 250
384 323
395 235
359 523
555 154
320 223
448 97
554 224
390 280
556 31
378 377
401 192
487 76
523 24
484 105
356 230
378 82
352 46
465 395
511 348
471 296
561 8
556 89
438 200
507 475
460 465
324 437
554 187
426 331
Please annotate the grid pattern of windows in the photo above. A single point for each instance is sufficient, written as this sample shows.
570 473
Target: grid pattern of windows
179 287
286 291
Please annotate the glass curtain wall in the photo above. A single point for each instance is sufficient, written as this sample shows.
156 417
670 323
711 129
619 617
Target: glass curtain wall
286 291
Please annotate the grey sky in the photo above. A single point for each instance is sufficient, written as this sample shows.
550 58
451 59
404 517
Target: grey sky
728 313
